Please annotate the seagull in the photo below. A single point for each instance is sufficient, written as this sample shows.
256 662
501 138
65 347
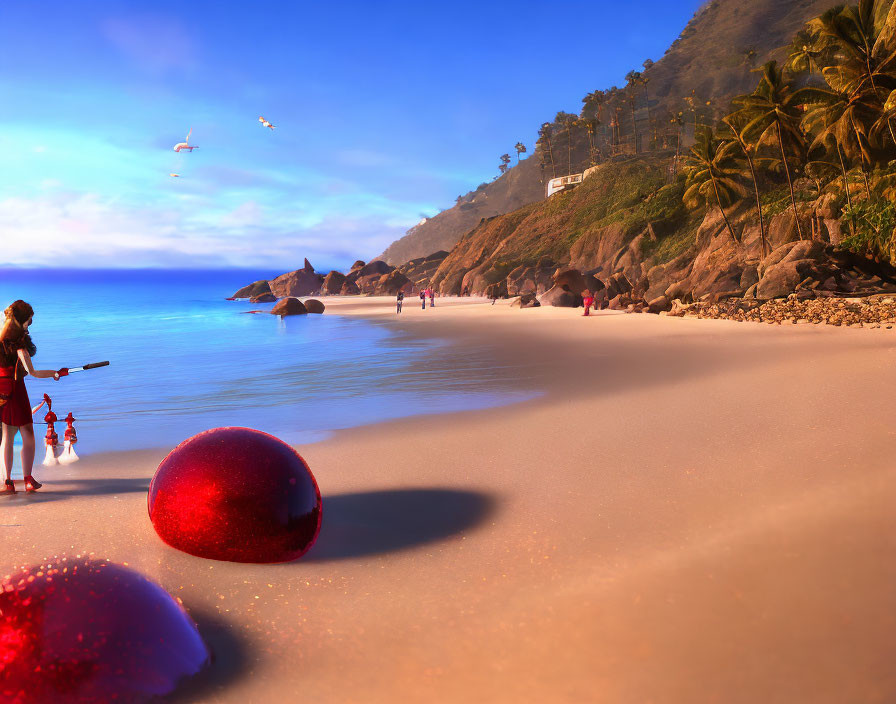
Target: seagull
264 122
180 146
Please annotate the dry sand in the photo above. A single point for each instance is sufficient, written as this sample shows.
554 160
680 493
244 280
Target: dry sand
694 511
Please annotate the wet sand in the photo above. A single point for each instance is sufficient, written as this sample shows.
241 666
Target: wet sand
693 511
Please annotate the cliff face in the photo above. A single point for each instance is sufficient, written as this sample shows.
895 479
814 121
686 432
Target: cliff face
515 189
625 220
711 61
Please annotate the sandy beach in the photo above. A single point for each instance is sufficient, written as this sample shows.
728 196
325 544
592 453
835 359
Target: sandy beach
690 511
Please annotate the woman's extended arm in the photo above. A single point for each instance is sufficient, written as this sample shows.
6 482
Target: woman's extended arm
36 373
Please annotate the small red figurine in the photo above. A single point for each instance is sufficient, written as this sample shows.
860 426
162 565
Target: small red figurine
71 437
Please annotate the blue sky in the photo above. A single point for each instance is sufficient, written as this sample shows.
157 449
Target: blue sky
385 112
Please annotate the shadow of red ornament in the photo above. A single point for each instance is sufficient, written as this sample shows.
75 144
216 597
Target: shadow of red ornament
236 494
89 631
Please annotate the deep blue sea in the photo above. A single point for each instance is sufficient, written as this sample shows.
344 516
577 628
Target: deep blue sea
184 359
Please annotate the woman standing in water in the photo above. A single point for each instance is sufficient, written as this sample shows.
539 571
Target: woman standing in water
16 350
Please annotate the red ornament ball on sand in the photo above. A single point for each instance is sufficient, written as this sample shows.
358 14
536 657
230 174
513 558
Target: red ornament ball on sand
89 631
236 494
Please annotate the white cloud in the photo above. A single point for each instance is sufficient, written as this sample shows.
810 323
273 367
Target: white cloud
62 228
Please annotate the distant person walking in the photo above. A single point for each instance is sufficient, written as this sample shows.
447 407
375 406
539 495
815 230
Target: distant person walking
432 298
423 299
589 301
399 299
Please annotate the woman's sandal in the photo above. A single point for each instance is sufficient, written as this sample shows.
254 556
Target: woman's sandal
9 488
31 484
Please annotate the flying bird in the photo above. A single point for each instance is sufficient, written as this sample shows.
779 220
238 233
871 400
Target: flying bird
265 123
180 146
174 175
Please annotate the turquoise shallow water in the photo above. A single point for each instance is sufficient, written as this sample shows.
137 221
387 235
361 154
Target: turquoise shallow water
183 359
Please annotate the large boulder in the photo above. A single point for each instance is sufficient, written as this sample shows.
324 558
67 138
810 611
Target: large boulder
297 283
390 284
572 280
618 284
659 305
263 298
561 298
312 305
289 306
375 268
333 282
349 288
367 284
527 300
791 264
254 289
620 302
531 279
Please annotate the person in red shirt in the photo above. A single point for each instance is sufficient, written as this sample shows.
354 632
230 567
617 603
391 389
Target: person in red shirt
16 351
589 301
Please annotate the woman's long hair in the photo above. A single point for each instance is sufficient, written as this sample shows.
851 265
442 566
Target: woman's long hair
13 335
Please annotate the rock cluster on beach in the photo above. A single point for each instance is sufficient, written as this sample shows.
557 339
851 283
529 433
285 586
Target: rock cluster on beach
374 278
875 311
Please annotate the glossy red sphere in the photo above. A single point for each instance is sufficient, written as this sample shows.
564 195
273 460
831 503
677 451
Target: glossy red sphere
89 631
236 494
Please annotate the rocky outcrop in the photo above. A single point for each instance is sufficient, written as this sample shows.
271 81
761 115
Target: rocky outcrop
420 271
497 290
312 305
332 283
377 267
560 297
527 300
874 311
263 298
390 284
302 282
289 306
349 288
254 289
533 280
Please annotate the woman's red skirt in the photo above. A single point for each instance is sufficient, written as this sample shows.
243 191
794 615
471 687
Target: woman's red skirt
17 410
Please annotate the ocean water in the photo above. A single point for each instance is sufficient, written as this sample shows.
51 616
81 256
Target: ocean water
183 359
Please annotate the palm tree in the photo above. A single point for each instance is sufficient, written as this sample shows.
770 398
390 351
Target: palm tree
711 174
505 163
645 80
591 125
826 141
544 141
736 123
520 149
678 121
633 77
571 121
774 113
865 48
846 117
804 52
